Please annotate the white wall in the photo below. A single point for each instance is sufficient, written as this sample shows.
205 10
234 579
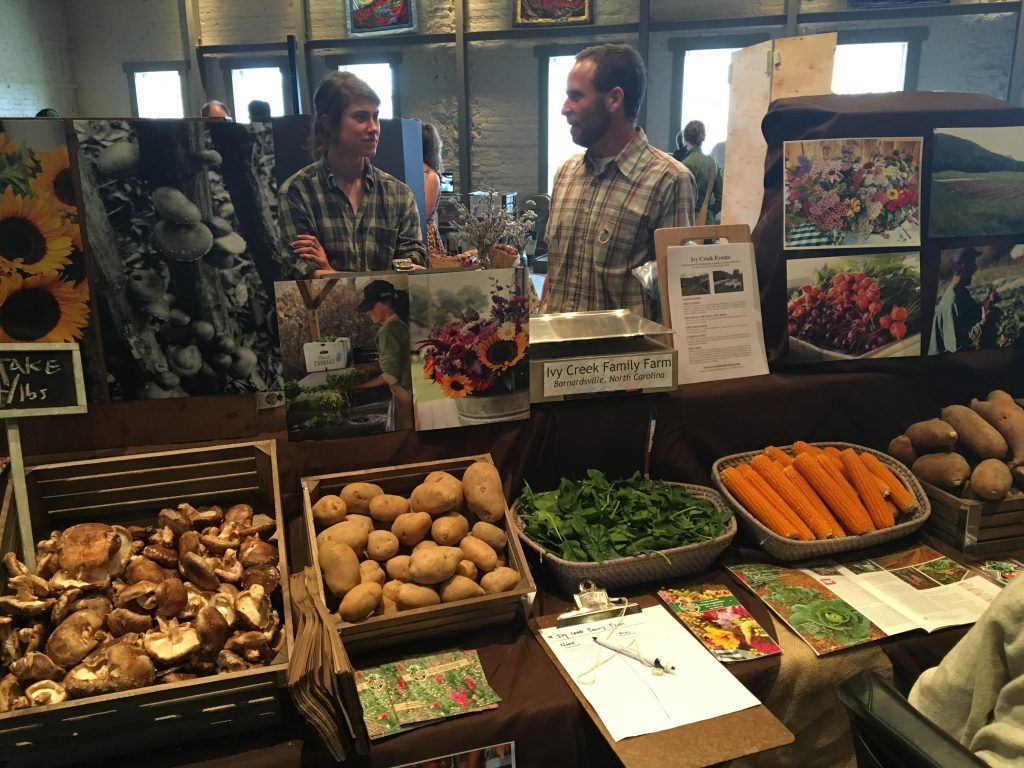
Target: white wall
36 69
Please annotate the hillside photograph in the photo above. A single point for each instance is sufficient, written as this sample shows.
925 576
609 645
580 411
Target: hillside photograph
977 182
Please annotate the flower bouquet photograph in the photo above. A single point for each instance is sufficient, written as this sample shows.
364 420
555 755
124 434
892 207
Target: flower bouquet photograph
44 296
849 193
470 334
854 307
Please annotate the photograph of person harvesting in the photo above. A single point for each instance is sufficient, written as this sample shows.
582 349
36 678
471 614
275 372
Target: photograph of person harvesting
388 307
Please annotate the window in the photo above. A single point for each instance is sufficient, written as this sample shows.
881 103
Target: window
870 67
380 77
560 143
706 92
256 83
157 93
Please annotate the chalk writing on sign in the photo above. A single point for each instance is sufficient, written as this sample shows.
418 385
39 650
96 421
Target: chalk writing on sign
40 379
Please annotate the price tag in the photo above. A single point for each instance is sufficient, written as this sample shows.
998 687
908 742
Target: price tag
41 380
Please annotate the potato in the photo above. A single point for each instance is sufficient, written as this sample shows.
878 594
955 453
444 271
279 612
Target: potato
411 527
386 507
449 529
460 588
391 589
364 520
339 565
398 567
500 580
357 497
901 449
370 570
361 601
387 607
349 531
997 395
484 494
491 535
381 545
1008 419
931 435
415 596
329 510
948 471
468 569
479 552
432 566
976 435
437 494
425 544
991 479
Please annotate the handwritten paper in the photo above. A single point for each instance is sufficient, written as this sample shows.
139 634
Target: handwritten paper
627 696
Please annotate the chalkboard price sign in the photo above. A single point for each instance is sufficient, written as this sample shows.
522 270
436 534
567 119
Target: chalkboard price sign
40 380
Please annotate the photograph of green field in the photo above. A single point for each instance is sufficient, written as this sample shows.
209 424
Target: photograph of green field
977 182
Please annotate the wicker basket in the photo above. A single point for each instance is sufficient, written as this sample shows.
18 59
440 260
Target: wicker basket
446 262
502 259
624 571
788 549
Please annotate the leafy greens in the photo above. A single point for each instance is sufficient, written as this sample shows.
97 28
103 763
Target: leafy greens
596 519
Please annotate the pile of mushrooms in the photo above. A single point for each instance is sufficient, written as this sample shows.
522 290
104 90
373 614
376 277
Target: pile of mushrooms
112 608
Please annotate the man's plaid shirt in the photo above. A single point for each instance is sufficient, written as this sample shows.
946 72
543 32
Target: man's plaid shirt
602 222
386 227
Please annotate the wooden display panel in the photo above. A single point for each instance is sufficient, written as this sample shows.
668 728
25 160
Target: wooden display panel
434 621
130 490
976 527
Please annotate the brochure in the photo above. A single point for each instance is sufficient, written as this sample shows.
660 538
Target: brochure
715 309
404 694
720 621
834 605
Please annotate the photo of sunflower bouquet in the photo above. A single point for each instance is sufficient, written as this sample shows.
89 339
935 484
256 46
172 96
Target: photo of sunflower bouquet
475 353
44 296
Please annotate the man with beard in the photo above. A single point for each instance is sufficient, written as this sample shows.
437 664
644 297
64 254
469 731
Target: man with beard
607 202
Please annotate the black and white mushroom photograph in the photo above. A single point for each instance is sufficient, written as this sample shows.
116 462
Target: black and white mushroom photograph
181 222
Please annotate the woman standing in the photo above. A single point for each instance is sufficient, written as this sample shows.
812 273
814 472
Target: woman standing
388 307
433 167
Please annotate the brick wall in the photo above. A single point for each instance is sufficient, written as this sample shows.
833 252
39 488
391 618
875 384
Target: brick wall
35 59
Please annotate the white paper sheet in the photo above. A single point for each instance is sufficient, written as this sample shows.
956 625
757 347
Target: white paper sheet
627 696
715 307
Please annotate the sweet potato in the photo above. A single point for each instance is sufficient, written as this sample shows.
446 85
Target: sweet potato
1008 419
991 480
931 435
948 471
485 496
329 510
901 449
357 497
976 435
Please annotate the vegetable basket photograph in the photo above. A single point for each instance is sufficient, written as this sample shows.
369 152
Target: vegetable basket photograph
623 532
812 500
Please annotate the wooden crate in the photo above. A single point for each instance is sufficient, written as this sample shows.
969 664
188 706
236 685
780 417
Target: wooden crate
434 621
131 490
976 527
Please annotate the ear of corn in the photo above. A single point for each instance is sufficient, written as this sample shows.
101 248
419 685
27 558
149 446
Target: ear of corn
820 526
867 489
803 530
812 496
854 517
779 455
756 504
898 492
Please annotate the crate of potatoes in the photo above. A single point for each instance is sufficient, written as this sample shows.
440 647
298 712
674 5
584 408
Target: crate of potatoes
416 551
157 611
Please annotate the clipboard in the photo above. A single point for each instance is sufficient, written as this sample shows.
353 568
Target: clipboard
689 746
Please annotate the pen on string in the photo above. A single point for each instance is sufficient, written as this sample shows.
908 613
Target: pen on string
656 664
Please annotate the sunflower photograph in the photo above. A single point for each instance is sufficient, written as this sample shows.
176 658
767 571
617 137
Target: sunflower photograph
44 296
470 332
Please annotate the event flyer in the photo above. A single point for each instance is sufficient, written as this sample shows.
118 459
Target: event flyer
715 309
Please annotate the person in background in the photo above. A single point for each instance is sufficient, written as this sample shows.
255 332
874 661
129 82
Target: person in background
607 202
433 167
960 321
259 110
340 213
216 108
976 694
705 173
388 307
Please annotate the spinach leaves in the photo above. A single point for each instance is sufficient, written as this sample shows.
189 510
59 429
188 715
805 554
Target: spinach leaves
597 520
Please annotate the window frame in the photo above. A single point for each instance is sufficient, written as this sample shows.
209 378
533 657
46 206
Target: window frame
544 53
131 68
281 62
680 45
391 58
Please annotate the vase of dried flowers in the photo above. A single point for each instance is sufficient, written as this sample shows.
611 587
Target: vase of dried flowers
489 224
